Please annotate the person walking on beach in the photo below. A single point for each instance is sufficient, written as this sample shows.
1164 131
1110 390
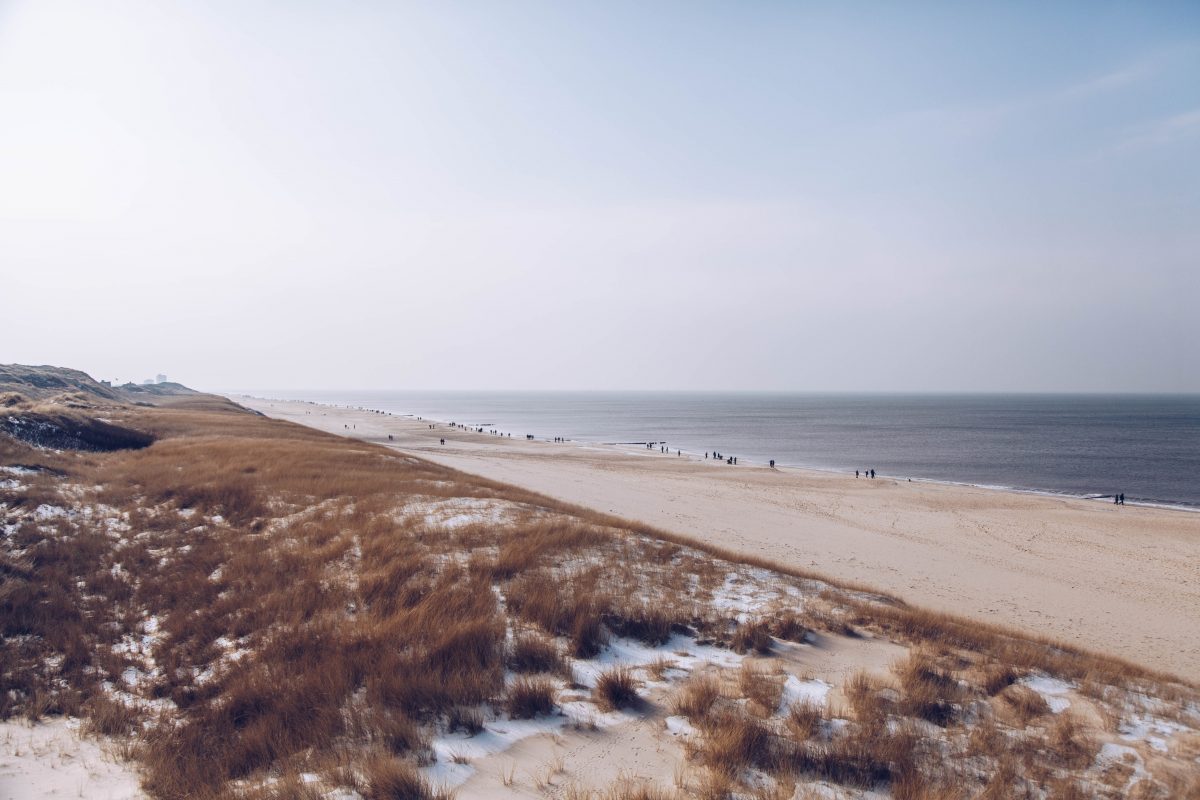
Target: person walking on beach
872 474
1122 498
856 473
443 441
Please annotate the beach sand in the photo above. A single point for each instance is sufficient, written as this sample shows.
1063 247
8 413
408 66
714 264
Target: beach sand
1120 580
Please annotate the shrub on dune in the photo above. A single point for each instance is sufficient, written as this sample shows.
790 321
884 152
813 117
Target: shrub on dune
529 697
616 689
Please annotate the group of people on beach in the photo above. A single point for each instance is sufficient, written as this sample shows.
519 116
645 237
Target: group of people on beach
1119 499
866 473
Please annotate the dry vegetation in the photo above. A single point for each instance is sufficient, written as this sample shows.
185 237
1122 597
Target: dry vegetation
245 601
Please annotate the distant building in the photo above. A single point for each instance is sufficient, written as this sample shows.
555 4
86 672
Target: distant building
160 378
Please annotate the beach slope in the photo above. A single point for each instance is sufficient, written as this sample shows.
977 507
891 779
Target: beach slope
1120 580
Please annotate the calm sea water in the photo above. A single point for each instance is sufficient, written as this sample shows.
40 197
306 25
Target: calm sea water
1145 446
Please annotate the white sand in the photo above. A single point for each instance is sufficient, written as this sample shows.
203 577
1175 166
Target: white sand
1122 580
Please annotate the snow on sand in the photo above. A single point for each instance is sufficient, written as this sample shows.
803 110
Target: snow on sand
51 759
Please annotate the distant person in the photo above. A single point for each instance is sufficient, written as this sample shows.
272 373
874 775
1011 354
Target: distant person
1122 498
872 474
443 441
856 473
772 463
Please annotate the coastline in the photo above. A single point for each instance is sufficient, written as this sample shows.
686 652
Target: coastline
1120 580
757 460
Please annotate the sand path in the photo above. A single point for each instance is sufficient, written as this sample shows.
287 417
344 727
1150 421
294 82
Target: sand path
1122 580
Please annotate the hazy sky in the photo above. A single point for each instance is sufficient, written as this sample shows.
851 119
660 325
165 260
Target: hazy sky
809 196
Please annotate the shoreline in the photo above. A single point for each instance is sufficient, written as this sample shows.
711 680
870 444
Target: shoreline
1118 580
754 462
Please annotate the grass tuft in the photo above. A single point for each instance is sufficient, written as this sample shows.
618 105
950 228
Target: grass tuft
615 689
529 697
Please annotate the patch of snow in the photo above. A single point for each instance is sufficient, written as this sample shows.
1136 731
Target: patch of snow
744 597
50 759
496 737
446 775
1112 753
683 651
1116 752
1052 690
795 690
47 511
1151 730
458 512
587 714
679 726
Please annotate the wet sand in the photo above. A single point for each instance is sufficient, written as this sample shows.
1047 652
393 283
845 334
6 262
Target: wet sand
1118 579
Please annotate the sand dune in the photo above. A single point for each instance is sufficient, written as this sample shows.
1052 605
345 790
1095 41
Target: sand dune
1121 580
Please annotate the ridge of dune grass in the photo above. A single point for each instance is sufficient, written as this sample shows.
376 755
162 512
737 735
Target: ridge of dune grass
314 610
887 613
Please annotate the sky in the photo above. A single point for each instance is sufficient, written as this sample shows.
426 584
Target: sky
793 196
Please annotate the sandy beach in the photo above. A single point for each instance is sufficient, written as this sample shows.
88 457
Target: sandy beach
1119 580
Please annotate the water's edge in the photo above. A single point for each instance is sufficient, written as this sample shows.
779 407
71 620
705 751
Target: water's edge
752 458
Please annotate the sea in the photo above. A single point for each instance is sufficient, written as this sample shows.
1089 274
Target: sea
1144 446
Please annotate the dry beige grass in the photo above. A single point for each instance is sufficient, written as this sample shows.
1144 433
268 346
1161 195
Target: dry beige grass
763 689
696 697
535 652
804 720
734 741
529 697
616 688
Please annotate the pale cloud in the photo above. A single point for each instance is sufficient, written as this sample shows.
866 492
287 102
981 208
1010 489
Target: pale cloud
986 117
1161 132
